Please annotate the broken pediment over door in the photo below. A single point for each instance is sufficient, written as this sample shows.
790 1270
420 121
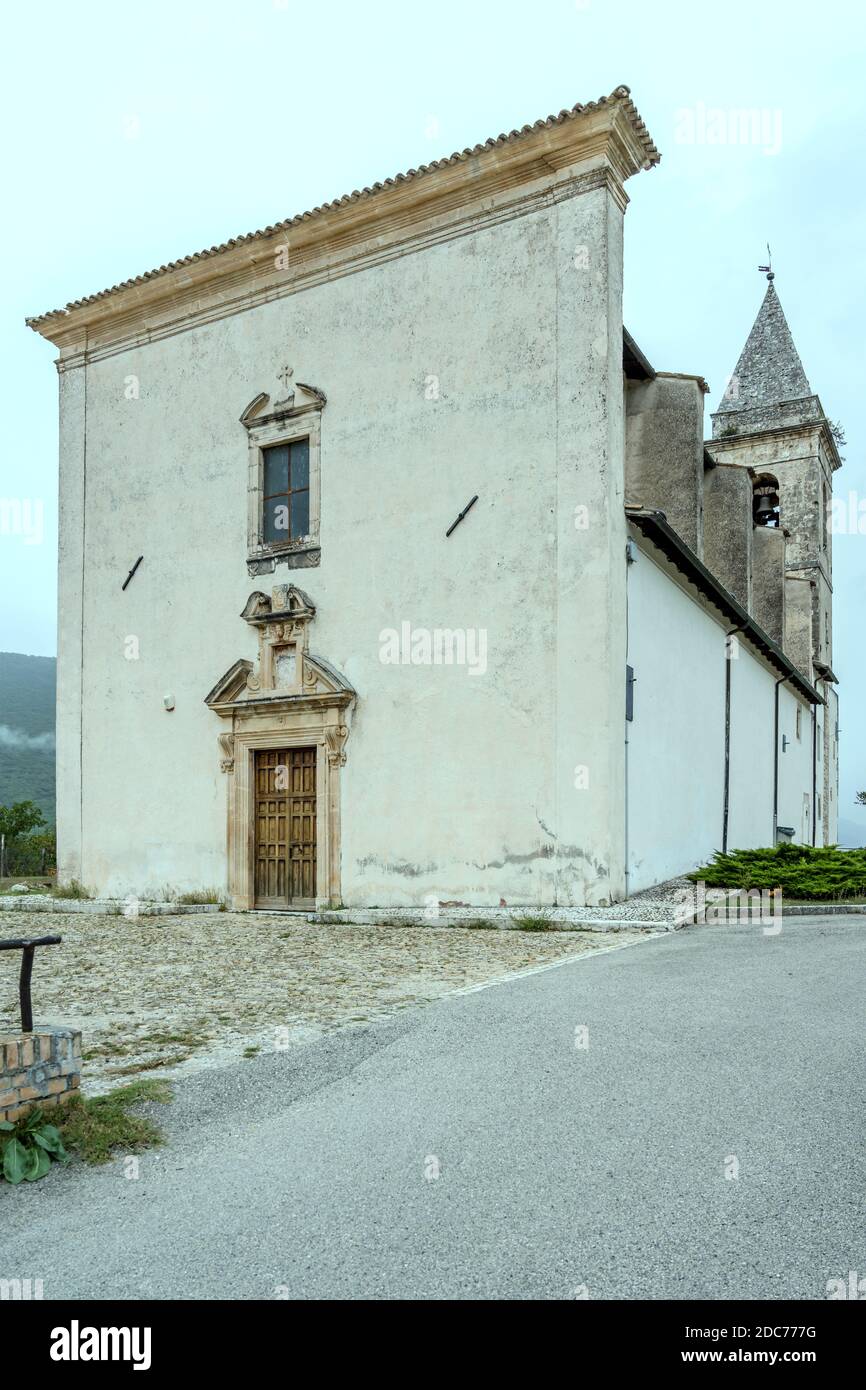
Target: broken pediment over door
286 669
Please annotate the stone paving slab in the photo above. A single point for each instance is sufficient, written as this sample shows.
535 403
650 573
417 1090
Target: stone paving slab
167 995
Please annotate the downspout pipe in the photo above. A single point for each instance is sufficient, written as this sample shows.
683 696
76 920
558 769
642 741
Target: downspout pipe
729 657
815 773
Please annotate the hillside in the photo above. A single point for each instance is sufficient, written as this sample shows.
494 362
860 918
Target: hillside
27 692
852 832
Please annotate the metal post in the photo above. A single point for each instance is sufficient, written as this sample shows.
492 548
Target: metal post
27 948
24 989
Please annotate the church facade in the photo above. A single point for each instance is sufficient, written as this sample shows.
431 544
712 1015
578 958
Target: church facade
391 571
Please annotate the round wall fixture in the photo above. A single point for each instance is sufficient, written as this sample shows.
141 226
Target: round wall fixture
168 701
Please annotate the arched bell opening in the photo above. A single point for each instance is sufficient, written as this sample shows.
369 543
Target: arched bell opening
765 501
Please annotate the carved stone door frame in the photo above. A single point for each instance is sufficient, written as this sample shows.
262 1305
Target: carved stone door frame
241 830
288 699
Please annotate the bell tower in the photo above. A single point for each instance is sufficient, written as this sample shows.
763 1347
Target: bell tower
770 422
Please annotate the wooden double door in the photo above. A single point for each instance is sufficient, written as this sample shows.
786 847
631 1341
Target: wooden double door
285 820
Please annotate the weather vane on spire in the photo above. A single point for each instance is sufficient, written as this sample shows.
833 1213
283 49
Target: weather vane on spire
768 268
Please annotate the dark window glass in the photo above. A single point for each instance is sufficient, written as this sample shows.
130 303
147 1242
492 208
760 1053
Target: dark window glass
276 519
286 492
276 470
300 514
300 464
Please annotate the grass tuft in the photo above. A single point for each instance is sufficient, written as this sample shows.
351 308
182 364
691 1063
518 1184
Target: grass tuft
202 895
93 1128
539 919
72 889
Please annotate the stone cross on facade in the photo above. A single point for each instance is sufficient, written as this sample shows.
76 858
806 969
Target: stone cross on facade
284 376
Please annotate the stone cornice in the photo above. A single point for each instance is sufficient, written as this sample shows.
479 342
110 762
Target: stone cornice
733 443
281 703
599 145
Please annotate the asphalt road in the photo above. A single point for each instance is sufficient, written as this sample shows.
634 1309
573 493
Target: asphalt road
563 1170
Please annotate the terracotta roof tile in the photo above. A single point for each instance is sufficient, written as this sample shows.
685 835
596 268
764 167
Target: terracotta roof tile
619 94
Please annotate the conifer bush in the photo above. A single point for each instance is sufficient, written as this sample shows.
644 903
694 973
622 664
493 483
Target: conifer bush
814 874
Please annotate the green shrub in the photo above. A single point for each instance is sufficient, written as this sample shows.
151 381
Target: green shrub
27 1148
801 871
28 848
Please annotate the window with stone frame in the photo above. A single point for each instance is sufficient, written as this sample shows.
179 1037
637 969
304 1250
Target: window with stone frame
284 487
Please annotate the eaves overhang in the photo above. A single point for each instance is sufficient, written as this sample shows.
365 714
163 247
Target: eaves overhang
826 672
606 135
635 363
655 527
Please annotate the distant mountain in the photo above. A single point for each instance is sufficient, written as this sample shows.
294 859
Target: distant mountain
852 833
27 695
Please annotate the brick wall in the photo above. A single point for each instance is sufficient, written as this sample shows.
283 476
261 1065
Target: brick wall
38 1069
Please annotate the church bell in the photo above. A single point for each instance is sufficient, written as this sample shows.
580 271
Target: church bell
766 512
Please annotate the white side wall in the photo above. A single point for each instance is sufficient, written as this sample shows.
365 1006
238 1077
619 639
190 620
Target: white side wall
676 741
795 767
831 746
750 798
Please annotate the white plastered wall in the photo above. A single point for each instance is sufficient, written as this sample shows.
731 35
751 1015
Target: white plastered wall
486 365
676 741
795 766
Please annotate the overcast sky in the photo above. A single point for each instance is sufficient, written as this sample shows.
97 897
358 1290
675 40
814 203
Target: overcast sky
134 134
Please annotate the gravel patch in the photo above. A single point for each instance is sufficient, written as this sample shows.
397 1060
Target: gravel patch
169 995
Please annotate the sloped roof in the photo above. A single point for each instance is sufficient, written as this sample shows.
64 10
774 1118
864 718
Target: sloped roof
620 95
655 526
769 370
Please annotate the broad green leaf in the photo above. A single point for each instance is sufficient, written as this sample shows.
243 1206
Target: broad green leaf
42 1165
32 1168
50 1139
7 1126
16 1162
45 1141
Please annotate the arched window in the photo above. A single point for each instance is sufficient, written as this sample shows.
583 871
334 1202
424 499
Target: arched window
765 500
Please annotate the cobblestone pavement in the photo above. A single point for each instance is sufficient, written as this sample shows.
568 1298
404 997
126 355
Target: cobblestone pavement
167 995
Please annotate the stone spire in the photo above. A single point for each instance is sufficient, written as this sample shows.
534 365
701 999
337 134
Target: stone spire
769 373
